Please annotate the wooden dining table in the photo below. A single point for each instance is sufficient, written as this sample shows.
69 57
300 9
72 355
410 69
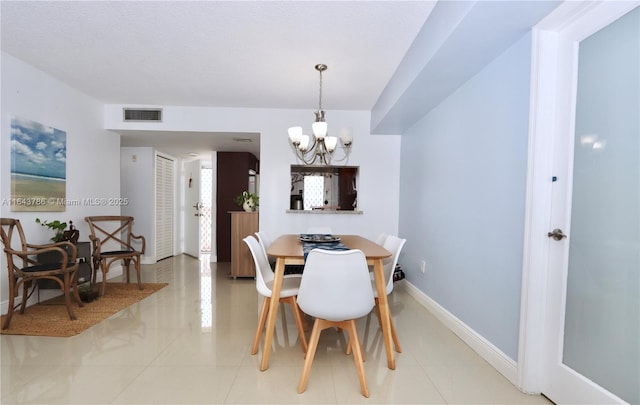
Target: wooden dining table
288 250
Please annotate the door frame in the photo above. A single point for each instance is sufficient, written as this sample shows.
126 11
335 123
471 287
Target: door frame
552 111
192 241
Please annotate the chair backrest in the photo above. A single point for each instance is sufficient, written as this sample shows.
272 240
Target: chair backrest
335 285
381 238
15 245
320 230
394 245
264 274
264 240
113 232
7 228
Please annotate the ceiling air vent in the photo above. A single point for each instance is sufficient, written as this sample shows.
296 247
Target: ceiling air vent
143 114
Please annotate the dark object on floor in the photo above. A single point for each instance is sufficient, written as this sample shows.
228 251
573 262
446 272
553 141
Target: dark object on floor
293 269
398 274
89 295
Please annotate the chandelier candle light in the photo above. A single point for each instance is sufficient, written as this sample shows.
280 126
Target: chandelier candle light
319 148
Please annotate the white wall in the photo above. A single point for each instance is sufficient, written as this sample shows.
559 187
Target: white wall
93 154
137 182
462 207
377 156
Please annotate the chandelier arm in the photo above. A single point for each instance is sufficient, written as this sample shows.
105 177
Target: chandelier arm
308 157
346 152
302 157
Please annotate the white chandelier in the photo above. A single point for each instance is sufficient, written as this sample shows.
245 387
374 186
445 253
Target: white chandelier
319 148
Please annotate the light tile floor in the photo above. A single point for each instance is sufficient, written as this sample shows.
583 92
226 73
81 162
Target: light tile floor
190 343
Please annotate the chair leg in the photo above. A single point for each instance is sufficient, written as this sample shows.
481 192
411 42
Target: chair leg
25 293
357 357
127 276
377 308
311 352
394 334
137 266
303 316
76 292
262 319
350 348
94 271
103 288
66 285
296 314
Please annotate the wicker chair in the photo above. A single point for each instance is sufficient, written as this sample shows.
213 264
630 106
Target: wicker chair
23 269
112 240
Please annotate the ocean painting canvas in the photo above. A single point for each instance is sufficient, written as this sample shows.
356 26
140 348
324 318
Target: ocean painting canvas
38 166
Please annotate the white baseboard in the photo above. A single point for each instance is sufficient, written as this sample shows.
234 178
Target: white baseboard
147 260
494 356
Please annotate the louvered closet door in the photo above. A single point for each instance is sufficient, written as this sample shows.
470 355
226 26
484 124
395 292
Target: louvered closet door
164 207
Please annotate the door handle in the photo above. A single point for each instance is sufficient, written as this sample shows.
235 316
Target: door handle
556 234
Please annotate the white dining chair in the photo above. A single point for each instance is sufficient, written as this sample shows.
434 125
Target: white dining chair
394 245
381 238
380 241
336 290
264 283
265 241
293 270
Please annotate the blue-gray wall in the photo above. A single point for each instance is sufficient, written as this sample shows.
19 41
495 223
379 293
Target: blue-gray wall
462 188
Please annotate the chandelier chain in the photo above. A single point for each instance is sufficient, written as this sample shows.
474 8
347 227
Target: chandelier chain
320 97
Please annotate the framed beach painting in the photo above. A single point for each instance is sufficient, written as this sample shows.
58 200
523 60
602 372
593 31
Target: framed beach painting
38 166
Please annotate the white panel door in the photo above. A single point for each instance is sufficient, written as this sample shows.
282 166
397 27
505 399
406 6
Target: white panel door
164 207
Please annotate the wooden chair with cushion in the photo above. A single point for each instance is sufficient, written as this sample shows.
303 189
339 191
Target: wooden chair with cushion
112 240
23 269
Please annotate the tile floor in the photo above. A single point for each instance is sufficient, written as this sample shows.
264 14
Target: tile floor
190 344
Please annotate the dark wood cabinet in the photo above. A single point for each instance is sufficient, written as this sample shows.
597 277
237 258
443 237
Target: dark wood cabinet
347 186
232 180
84 269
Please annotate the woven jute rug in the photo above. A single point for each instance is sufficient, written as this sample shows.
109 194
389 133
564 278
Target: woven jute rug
50 318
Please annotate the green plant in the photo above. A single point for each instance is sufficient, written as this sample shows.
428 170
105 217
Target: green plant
251 199
56 226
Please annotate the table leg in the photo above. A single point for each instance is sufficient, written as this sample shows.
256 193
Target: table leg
278 276
385 315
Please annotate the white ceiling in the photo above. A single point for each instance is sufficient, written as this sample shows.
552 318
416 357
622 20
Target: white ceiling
382 55
215 53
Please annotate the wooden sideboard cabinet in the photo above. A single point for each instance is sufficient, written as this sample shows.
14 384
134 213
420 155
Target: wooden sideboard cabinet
243 224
